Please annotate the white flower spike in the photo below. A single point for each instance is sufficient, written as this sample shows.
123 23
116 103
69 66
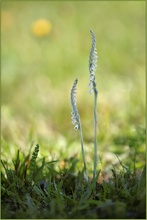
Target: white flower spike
92 63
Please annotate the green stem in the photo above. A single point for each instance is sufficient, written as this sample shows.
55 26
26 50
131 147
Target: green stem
95 133
83 153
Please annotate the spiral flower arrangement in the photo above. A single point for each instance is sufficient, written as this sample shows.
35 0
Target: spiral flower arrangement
75 115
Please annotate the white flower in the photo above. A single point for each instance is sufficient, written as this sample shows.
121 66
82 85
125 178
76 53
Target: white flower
74 113
92 63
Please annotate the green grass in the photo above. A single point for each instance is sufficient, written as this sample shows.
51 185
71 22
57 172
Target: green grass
38 188
37 75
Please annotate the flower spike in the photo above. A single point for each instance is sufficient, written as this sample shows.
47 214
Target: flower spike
77 122
92 84
92 63
74 113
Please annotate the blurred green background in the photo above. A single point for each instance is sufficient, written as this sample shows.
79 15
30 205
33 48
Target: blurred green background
38 73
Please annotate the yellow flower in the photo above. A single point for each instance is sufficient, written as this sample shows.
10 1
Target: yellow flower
41 27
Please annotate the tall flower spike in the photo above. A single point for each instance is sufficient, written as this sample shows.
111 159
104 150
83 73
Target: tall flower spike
92 66
92 63
74 113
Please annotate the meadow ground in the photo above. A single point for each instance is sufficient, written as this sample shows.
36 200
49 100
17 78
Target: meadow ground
45 46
